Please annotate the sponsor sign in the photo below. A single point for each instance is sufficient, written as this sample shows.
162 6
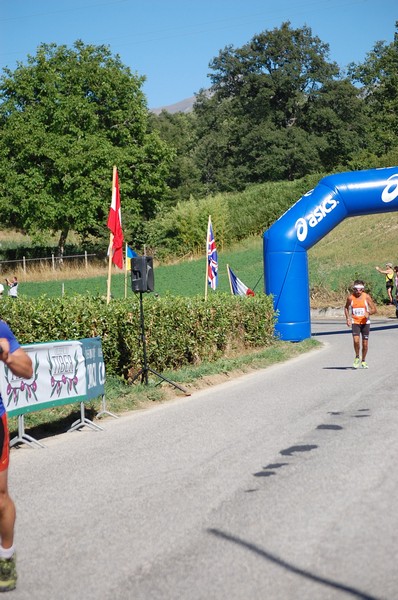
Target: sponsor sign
63 372
314 217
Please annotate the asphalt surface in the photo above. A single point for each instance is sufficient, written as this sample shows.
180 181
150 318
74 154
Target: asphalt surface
278 485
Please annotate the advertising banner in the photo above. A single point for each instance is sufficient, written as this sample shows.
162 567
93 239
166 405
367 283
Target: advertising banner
63 372
95 367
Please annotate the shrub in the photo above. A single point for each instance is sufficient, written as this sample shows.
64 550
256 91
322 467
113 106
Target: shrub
179 331
181 231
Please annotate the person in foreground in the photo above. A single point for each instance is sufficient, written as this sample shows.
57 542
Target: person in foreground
18 361
358 307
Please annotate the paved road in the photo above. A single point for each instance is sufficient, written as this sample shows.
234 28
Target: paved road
279 485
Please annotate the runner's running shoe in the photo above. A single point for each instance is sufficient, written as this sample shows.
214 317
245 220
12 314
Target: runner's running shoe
364 365
8 574
357 363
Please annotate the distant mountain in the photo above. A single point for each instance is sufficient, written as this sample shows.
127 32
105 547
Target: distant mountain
184 106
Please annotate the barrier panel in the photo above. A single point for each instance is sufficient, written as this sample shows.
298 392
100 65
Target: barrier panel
64 372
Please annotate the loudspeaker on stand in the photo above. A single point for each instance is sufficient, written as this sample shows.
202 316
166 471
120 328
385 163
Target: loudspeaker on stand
142 275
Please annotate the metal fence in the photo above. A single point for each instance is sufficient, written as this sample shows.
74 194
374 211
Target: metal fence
56 261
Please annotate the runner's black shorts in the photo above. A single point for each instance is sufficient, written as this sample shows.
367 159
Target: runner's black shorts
361 329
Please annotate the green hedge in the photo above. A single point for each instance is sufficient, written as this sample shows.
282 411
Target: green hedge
179 331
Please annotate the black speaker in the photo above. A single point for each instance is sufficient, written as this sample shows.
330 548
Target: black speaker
142 277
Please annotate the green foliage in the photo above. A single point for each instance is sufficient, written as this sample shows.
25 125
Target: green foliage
378 75
179 331
181 231
66 117
338 122
279 109
10 251
255 209
179 132
258 123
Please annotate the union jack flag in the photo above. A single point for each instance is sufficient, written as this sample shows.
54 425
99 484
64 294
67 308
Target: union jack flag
212 258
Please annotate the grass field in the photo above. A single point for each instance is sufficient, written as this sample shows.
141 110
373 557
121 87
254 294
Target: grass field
350 251
185 278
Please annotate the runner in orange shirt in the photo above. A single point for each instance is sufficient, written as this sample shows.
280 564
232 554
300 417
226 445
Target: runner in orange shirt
358 307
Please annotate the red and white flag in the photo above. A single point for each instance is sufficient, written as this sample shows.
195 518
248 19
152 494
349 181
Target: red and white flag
115 224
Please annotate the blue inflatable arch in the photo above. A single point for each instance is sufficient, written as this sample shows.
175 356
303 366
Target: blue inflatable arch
316 213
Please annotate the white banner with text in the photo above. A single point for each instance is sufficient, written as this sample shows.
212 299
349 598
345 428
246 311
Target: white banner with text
63 372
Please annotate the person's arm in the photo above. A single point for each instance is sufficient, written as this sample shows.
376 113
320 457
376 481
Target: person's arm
347 312
372 305
18 361
381 271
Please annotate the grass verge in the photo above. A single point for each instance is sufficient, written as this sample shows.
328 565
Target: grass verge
122 397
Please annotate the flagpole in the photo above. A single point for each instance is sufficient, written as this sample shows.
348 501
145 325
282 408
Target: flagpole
108 293
125 272
207 256
229 278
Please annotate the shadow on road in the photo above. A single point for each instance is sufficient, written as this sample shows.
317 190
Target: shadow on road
289 567
348 330
339 368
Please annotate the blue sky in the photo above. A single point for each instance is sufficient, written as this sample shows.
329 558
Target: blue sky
171 42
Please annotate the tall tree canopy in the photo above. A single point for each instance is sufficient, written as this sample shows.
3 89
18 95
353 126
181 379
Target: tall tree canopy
66 117
378 76
276 110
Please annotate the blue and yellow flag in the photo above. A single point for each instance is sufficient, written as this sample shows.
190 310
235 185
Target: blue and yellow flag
129 255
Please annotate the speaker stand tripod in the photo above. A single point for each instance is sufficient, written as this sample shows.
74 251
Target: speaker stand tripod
143 372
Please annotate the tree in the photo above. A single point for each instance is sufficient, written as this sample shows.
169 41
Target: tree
378 76
251 127
281 68
66 117
337 119
178 130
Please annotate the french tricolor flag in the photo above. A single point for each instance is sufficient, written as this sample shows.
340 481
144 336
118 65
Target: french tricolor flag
238 288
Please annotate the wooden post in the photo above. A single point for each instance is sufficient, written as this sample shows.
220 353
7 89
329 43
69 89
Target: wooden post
229 278
207 257
108 293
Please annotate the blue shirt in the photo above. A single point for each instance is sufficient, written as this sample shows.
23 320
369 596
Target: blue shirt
5 332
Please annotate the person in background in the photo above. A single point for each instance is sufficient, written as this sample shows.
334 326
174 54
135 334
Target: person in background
19 363
389 273
358 307
396 290
1 289
13 285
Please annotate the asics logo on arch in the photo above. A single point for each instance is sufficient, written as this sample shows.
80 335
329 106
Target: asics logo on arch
390 192
314 217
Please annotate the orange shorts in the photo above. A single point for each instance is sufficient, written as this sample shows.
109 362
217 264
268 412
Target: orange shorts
4 443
